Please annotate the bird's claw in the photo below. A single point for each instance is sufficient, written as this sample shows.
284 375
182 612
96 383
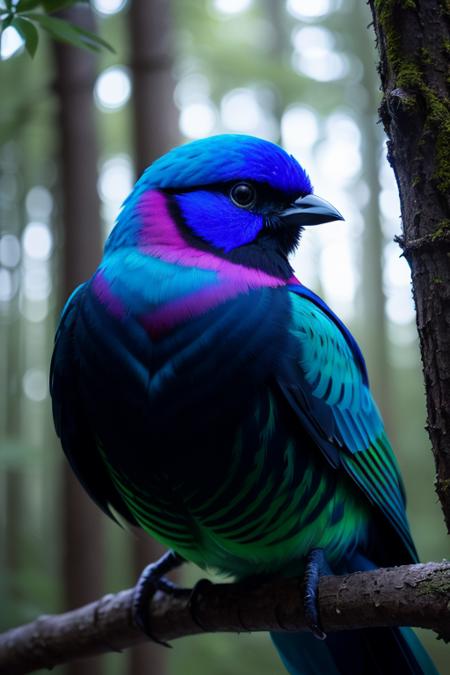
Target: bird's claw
313 571
149 582
195 593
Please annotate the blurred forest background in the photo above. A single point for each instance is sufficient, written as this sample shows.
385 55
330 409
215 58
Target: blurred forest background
76 128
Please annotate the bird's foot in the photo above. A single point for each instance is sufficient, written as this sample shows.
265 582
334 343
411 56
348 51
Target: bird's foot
196 593
313 571
150 581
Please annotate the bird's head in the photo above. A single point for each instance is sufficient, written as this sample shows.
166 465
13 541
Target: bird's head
236 197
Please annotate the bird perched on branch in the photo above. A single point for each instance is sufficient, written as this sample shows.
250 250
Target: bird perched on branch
203 393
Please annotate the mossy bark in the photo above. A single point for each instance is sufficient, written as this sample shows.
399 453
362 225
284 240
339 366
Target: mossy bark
413 38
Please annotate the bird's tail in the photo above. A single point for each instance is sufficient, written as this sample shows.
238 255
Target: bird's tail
369 651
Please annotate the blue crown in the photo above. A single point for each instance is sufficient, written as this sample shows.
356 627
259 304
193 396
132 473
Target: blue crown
224 158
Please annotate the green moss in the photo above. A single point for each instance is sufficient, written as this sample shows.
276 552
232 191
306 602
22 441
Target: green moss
439 119
425 56
434 586
386 6
408 73
441 230
437 281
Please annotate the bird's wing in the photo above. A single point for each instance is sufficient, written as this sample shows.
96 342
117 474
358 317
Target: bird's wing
325 382
71 422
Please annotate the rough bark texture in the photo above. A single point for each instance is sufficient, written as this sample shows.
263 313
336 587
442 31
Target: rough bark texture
82 532
414 43
415 595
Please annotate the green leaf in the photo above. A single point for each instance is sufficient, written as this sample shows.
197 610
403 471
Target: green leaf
27 5
68 32
6 23
56 5
93 37
48 5
29 33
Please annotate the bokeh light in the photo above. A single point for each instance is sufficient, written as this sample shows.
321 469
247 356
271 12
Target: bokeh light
39 203
108 7
389 200
314 54
35 384
9 250
191 89
11 43
36 282
338 156
299 128
6 285
312 37
308 10
397 286
241 111
114 184
115 179
321 64
37 241
112 89
231 6
198 119
396 271
400 307
337 274
34 311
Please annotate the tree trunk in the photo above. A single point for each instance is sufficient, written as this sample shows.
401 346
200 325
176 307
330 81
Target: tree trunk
155 117
275 13
154 133
414 42
83 557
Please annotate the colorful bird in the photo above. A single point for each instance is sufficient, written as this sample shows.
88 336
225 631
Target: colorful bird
203 393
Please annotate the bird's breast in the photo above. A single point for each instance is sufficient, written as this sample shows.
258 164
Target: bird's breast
205 453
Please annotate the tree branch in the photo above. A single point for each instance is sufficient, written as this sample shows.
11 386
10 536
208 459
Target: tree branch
411 595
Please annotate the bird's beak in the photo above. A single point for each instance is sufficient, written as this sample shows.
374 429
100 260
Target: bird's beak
310 210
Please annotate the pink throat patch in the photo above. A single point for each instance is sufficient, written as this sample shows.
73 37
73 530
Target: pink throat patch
161 239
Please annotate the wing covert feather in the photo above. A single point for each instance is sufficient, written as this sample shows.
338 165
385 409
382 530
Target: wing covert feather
327 386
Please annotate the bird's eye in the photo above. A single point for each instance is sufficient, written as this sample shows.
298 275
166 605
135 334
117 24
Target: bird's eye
243 195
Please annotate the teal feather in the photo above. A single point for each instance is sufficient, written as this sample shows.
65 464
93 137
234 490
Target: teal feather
352 420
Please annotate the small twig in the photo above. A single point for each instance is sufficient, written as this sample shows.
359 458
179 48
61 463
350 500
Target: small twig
426 241
411 595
